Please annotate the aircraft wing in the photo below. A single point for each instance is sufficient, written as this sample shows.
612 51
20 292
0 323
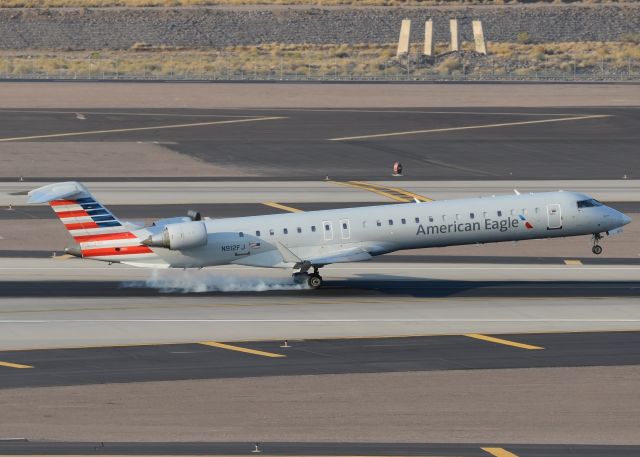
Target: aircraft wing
354 254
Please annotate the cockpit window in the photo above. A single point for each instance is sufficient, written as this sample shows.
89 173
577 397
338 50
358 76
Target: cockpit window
589 203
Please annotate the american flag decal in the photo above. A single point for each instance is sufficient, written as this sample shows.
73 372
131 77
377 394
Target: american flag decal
254 245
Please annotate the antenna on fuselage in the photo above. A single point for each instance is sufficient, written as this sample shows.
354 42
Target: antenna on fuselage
516 191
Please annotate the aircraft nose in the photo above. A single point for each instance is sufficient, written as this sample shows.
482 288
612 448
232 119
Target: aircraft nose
625 219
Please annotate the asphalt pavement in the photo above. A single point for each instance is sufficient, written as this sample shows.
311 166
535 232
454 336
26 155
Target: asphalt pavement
248 359
432 144
317 449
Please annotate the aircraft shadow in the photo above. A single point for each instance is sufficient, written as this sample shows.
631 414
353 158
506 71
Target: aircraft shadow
348 288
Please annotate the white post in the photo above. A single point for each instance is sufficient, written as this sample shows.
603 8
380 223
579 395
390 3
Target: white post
478 37
453 25
428 38
403 41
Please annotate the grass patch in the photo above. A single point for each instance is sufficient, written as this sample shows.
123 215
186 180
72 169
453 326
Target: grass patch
322 61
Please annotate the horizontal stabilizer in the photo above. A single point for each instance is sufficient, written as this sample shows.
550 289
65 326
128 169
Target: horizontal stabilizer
58 191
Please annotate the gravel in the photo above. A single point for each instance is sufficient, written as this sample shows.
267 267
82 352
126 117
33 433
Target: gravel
121 28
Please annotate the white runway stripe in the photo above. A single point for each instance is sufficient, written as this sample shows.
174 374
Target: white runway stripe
137 129
469 127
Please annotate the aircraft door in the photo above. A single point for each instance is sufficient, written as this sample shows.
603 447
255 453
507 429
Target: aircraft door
327 230
554 217
345 229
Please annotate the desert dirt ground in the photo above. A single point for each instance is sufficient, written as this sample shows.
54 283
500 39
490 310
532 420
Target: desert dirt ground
304 95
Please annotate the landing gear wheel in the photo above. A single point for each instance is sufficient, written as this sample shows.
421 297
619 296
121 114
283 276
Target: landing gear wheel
596 249
314 281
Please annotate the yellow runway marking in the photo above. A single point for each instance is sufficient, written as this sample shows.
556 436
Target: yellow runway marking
136 129
63 257
284 207
395 190
469 127
502 341
241 349
498 452
572 262
14 365
394 193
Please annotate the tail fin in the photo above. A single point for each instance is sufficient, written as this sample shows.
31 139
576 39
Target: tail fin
97 231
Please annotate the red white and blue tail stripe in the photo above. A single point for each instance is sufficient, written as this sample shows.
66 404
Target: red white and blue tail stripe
100 235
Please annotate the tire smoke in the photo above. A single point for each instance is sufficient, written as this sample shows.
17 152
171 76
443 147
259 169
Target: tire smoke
199 281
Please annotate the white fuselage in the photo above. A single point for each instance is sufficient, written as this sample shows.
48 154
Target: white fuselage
386 228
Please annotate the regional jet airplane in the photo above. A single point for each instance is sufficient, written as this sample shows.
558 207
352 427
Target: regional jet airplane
310 240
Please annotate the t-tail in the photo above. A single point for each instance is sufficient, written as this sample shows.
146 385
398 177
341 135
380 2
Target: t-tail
97 232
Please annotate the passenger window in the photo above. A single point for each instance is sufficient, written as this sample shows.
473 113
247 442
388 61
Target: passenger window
285 231
430 218
457 217
313 228
444 218
299 229
378 223
537 210
472 215
484 214
417 220
364 224
241 234
327 227
513 212
404 221
271 232
390 221
499 213
344 226
257 232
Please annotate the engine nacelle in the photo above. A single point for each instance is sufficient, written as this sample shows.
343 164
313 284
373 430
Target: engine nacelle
184 235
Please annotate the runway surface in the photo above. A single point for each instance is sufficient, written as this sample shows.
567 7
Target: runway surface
312 194
377 287
484 350
66 367
319 449
432 144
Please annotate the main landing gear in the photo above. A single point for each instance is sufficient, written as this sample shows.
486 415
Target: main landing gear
596 249
313 280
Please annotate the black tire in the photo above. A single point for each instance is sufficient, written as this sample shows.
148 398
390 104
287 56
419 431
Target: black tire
314 281
597 250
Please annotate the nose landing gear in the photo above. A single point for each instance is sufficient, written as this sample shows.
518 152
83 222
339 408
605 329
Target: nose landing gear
596 249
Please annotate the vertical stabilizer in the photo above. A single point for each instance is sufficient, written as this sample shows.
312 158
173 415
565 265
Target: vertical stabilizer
94 228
